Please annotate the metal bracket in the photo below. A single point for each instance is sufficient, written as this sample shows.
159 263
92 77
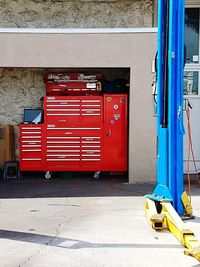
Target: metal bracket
166 217
186 203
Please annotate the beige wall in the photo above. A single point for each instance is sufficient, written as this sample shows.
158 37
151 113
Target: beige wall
133 50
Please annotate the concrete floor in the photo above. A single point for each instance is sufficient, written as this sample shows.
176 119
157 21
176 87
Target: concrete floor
84 222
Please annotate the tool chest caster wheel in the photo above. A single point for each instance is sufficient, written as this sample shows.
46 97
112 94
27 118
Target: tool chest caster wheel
96 175
48 175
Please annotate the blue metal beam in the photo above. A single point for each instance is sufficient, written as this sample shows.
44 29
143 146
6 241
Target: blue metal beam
170 66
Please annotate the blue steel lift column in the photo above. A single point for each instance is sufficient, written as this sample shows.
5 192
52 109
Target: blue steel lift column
165 205
170 65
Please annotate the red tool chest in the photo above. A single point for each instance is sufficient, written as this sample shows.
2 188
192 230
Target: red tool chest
80 133
32 147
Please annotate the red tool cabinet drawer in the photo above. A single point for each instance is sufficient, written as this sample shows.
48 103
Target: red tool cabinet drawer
29 153
55 89
71 101
78 131
91 140
28 128
31 162
63 140
31 143
59 162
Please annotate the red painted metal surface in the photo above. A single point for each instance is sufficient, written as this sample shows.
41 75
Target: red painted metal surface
115 132
73 109
73 88
31 147
75 147
78 134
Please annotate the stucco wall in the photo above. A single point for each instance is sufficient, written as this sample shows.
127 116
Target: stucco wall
75 13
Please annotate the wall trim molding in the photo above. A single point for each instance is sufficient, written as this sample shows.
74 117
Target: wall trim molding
77 30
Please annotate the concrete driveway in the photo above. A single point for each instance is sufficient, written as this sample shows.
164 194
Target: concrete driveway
84 222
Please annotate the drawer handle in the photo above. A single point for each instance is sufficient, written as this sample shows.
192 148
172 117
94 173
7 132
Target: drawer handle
31 146
96 155
90 150
31 133
31 150
89 114
31 128
56 159
63 114
63 156
37 137
91 142
91 159
31 159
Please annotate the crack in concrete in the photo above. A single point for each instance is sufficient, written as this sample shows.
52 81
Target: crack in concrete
57 232
42 247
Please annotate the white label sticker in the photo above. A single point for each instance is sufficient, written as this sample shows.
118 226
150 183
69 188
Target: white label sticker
91 85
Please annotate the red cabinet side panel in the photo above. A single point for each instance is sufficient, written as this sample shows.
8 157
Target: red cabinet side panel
115 122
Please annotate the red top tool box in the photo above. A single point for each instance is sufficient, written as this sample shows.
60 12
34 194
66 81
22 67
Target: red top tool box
62 84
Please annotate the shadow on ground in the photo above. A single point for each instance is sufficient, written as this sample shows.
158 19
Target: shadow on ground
69 243
80 185
34 185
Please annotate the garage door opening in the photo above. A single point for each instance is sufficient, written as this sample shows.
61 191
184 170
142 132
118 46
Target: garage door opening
25 89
